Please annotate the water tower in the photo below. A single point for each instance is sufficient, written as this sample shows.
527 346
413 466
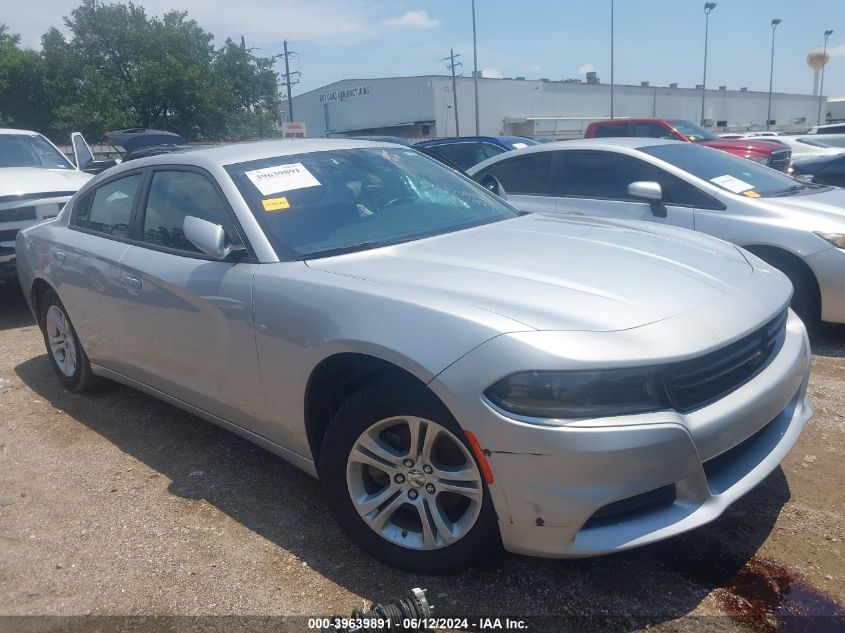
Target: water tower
816 59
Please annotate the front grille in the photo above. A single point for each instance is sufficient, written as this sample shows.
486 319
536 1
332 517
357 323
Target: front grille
18 214
626 509
8 235
695 383
780 160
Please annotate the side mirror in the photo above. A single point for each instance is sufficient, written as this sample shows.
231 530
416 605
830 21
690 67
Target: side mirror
646 190
649 191
491 183
210 238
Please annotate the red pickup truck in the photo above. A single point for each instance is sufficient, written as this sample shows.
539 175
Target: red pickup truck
770 153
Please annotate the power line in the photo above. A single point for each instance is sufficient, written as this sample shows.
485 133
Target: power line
289 80
451 66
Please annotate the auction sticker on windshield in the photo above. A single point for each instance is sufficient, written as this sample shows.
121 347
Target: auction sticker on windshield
734 185
282 178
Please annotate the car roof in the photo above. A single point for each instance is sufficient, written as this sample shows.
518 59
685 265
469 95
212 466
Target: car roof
7 130
608 143
249 151
466 139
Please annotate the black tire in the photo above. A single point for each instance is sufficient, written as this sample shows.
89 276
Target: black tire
806 302
82 378
379 400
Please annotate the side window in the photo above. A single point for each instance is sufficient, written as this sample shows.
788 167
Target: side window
108 208
529 174
603 174
175 195
491 150
612 130
650 130
463 155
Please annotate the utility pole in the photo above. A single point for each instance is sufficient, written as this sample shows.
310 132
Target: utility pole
708 7
475 67
289 78
775 23
451 66
827 34
611 59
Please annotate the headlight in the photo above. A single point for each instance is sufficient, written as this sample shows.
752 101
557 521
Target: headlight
837 239
761 160
579 394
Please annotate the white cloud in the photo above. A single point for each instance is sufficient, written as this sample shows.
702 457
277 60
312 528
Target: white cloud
836 51
330 21
417 19
492 73
586 68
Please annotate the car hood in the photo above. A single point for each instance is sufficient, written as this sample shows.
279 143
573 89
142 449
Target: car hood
553 273
25 180
745 145
829 205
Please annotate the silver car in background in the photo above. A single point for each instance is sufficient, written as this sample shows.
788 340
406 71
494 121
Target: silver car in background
457 375
797 227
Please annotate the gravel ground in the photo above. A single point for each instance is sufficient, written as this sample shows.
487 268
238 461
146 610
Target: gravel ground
115 504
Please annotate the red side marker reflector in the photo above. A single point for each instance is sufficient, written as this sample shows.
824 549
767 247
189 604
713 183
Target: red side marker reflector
479 455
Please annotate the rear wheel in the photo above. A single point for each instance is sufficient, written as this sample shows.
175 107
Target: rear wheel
402 481
66 355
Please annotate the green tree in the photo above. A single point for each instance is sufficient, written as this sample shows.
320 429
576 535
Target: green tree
24 101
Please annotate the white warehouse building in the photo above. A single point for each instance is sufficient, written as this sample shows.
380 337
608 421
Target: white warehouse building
423 107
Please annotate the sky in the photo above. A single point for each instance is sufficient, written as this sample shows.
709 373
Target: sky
660 41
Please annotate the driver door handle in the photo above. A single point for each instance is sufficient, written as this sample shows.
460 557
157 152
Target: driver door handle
132 284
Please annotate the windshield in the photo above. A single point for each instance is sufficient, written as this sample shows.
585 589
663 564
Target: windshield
693 132
326 203
731 173
24 150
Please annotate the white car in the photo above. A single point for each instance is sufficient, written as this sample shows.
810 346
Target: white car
36 180
795 226
802 145
830 128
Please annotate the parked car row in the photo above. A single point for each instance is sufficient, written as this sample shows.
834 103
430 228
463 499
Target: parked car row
459 373
797 227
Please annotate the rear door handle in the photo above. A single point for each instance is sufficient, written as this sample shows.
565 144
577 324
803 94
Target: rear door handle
132 284
59 257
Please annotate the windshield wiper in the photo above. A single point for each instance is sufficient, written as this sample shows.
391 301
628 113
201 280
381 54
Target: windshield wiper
350 248
791 191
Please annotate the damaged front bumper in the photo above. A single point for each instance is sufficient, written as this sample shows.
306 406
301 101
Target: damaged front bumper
601 486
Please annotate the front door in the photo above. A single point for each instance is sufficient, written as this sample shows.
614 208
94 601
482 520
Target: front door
189 316
595 183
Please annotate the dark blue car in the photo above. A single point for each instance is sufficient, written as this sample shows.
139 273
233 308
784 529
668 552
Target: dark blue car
466 151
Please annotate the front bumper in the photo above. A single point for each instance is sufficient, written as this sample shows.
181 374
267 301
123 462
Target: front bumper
829 268
552 484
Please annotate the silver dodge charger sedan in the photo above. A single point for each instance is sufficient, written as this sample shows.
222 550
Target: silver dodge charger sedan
458 375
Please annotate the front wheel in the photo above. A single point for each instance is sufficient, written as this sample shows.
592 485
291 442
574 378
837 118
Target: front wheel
402 481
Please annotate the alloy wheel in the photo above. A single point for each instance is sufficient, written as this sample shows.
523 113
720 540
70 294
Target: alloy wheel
61 340
414 483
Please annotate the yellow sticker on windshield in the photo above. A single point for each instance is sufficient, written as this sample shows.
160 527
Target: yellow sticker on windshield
751 194
275 204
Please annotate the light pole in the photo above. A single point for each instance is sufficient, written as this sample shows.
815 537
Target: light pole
827 34
708 7
611 59
775 23
475 68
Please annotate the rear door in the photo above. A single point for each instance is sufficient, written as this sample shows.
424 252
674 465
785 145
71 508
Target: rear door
595 183
189 316
527 180
85 266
